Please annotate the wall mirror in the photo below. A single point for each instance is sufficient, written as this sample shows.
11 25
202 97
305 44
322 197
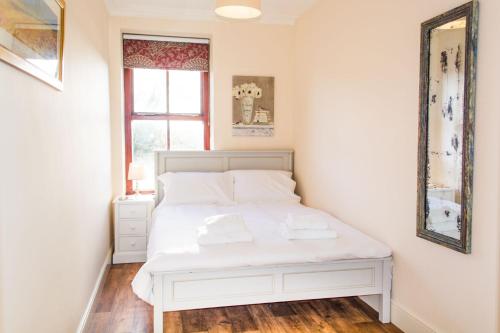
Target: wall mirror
446 127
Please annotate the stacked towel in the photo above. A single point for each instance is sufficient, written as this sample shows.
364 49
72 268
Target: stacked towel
289 233
220 224
306 227
308 222
224 229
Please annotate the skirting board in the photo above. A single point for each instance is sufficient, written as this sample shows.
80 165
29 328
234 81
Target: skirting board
400 317
100 277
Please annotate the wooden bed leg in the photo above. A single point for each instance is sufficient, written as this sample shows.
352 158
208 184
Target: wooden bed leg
158 304
384 313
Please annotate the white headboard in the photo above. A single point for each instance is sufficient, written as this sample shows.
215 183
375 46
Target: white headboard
219 161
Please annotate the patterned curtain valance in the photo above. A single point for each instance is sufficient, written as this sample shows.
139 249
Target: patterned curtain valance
165 55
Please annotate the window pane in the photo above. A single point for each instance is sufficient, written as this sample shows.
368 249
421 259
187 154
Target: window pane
186 135
150 90
148 136
184 91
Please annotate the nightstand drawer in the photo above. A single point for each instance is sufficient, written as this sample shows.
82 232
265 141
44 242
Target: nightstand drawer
132 243
132 227
132 211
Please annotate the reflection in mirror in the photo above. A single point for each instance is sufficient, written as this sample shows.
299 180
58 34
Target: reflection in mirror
445 123
446 127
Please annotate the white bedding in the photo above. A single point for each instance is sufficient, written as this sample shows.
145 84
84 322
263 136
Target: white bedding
173 245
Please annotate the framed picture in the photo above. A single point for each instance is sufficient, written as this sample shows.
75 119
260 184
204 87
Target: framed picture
32 37
253 106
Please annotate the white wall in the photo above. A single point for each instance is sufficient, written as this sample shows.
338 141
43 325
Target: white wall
357 74
236 49
56 183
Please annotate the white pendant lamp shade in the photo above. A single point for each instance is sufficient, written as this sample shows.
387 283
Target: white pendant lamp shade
238 9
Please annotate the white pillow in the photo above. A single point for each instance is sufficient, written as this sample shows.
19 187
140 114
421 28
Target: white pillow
197 188
263 186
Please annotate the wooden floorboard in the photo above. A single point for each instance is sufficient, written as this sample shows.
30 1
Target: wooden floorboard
118 310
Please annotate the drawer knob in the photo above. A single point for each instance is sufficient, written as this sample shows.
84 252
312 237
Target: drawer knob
132 228
132 244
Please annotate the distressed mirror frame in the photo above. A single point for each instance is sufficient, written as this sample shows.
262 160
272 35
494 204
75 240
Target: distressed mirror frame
470 11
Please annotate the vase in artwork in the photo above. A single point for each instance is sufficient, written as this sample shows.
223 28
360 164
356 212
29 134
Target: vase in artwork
247 109
246 93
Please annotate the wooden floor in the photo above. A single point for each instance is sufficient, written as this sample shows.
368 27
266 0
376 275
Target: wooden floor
118 310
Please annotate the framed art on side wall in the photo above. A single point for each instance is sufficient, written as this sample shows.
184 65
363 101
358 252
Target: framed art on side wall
32 37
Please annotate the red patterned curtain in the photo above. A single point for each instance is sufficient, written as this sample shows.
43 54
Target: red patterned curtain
165 55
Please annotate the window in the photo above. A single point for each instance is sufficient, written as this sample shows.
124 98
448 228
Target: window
165 109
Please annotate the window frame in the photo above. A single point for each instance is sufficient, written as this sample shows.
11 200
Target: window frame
130 115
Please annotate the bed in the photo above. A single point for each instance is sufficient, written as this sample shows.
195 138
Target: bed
181 275
444 216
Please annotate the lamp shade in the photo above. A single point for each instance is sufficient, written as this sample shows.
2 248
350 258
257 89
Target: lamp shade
238 9
135 171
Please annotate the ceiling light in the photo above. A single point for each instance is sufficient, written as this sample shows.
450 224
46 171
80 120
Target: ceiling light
238 9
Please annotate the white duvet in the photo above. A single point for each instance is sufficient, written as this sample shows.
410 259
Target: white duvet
173 242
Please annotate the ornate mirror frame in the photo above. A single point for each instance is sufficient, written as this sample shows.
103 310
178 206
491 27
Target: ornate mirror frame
470 11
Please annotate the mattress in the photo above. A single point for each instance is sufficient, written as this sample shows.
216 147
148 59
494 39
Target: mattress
172 245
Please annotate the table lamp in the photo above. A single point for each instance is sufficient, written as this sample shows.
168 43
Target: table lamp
135 173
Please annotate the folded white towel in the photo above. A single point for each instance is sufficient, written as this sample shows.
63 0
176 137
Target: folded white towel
225 223
442 227
306 222
291 234
207 238
224 229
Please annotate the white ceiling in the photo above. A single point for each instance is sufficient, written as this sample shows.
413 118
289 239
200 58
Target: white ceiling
274 11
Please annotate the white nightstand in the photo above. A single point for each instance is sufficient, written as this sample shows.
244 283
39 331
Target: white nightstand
132 223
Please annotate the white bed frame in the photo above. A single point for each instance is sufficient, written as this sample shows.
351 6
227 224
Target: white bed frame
195 289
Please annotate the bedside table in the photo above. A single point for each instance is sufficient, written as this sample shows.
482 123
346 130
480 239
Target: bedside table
131 223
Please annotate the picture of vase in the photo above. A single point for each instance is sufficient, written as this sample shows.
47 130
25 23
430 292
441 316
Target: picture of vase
253 105
247 109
